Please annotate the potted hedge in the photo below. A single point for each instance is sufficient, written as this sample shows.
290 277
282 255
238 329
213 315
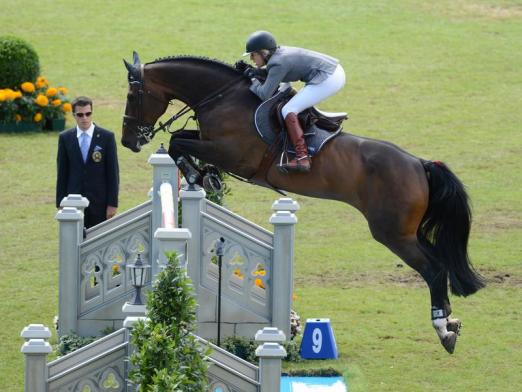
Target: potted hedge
27 101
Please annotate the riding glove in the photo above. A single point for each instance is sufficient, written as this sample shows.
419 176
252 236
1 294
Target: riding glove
255 73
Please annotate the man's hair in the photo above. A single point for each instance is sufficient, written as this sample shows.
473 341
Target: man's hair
81 101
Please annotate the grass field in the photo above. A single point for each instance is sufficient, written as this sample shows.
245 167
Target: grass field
441 79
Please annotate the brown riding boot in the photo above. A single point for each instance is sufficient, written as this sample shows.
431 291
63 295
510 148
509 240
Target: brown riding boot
301 162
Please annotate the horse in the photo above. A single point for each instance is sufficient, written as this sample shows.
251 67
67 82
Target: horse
418 209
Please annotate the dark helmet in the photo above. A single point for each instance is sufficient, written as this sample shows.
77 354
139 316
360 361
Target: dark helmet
260 40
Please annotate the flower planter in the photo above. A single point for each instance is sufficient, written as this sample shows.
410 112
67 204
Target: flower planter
21 126
54 124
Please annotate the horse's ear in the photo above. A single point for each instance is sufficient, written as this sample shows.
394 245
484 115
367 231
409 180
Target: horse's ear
136 58
134 71
127 65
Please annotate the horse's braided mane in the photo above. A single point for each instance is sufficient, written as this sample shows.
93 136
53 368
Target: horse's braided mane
197 58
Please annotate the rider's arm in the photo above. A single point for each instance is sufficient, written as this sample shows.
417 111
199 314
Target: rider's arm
276 73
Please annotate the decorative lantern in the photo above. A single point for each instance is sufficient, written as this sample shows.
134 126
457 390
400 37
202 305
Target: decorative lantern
138 276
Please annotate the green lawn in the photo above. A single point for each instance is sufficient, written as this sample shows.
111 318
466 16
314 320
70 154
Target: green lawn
441 79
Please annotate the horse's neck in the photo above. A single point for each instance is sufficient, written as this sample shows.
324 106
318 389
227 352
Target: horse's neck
189 82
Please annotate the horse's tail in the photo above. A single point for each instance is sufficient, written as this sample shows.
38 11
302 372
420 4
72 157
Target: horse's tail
444 230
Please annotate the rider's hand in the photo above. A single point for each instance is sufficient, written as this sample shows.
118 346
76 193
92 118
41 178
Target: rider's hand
256 73
241 65
250 73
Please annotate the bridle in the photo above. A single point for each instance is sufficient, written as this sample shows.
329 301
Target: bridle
146 131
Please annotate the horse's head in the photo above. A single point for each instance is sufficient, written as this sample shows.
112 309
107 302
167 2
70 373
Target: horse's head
145 104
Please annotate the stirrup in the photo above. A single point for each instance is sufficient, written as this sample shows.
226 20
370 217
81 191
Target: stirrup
295 166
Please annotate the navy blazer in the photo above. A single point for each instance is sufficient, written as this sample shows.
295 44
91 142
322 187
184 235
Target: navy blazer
98 178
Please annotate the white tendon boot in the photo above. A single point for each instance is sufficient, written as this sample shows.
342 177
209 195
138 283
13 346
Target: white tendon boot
447 338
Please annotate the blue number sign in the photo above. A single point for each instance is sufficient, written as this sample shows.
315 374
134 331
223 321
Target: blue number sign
318 340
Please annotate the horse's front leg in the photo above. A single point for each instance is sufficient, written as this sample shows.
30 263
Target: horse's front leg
208 151
182 159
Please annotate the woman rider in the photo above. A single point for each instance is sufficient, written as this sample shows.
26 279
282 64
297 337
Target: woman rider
323 76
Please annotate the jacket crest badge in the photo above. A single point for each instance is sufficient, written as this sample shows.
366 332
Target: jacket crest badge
97 155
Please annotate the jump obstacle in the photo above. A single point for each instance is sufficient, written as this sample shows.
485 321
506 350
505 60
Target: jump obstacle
257 281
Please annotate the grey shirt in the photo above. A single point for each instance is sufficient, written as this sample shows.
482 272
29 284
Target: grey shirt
289 64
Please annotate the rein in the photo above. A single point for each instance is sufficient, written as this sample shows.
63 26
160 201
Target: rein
147 132
218 94
165 127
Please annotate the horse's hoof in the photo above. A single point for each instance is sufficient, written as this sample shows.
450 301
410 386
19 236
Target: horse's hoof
449 341
212 183
454 325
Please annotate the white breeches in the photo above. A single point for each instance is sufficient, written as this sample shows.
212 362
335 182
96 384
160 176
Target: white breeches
312 94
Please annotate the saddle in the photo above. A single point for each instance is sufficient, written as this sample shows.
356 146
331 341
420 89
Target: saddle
319 127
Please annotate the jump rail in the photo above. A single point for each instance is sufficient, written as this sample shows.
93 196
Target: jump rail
167 206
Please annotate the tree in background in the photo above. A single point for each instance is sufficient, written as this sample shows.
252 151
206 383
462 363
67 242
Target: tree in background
167 356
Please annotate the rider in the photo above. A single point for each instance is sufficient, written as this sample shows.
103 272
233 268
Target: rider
323 76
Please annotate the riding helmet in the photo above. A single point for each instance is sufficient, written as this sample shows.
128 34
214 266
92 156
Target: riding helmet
260 40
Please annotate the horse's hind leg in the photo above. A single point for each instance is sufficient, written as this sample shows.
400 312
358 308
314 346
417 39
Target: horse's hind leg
440 303
439 288
437 279
408 249
447 328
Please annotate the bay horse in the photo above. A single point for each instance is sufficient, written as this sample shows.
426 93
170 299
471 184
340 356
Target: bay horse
416 208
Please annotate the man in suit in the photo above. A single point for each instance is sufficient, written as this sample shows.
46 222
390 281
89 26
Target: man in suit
88 165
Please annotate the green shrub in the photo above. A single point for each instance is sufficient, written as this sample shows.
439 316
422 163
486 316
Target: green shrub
18 62
292 351
241 347
72 342
246 349
167 356
325 372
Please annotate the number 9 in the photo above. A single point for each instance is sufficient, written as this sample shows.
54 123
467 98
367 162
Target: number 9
317 340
